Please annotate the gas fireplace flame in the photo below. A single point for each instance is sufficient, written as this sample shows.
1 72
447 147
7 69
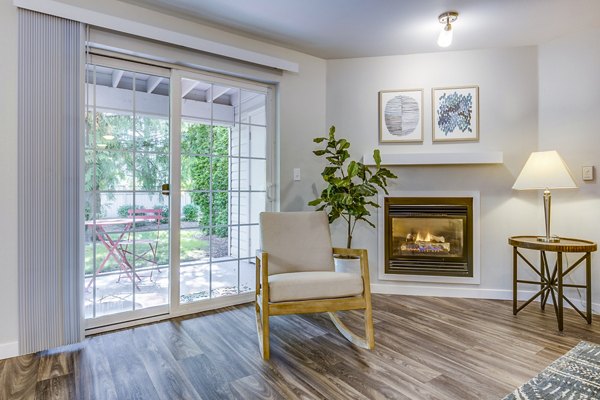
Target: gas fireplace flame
420 238
429 238
425 243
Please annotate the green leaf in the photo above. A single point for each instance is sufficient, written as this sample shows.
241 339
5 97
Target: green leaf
319 139
345 198
319 152
377 157
340 182
364 190
329 171
386 173
353 169
315 202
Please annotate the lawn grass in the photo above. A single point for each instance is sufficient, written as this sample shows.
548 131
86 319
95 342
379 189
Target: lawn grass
193 247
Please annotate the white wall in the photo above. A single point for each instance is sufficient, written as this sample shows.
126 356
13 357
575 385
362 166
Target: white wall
569 121
508 122
303 91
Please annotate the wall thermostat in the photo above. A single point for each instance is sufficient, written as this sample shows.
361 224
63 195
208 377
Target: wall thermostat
587 173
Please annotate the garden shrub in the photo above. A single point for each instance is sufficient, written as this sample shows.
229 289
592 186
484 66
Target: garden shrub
123 211
190 212
198 141
165 212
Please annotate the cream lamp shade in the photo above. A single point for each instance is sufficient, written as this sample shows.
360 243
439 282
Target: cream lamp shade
545 170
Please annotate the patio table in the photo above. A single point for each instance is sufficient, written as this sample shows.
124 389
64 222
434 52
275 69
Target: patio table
112 245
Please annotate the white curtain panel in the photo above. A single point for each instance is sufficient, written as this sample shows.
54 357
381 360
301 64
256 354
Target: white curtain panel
51 57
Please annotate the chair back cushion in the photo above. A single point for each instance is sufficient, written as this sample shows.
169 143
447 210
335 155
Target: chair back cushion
296 241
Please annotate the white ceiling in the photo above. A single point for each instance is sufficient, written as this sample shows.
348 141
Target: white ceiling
361 28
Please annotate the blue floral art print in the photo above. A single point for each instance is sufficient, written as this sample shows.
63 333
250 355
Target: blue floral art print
454 112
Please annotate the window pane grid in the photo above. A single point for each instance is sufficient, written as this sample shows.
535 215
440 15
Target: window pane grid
225 197
125 150
209 155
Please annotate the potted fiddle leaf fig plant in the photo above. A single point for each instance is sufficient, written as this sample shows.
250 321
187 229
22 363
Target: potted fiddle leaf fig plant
351 185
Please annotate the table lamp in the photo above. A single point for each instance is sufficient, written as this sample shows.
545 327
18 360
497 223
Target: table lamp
545 170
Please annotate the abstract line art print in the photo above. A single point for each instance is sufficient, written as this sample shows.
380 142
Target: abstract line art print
401 116
455 113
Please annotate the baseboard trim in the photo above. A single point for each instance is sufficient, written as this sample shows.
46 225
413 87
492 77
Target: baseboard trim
469 293
9 349
449 291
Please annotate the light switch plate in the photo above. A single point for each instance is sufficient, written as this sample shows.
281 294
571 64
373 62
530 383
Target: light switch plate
587 173
296 174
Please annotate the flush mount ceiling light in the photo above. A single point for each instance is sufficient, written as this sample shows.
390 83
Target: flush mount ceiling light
447 18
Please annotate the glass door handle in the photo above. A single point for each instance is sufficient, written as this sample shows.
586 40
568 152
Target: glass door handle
165 189
270 191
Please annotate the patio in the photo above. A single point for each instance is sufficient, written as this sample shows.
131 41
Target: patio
115 295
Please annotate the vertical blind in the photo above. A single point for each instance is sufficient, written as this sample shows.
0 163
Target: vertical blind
51 56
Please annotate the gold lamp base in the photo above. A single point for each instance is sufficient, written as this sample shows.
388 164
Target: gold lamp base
548 238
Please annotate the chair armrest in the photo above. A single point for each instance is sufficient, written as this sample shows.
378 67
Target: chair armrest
262 261
262 273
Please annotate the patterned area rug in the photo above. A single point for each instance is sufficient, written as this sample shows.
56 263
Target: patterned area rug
576 375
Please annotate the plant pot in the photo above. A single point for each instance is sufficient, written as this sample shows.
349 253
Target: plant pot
349 264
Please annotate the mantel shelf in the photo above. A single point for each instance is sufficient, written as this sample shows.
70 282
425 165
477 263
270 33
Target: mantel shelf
481 157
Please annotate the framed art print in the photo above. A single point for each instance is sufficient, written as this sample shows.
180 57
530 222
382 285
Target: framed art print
401 116
455 113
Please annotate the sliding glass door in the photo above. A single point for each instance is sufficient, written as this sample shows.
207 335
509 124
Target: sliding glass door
127 154
222 136
176 174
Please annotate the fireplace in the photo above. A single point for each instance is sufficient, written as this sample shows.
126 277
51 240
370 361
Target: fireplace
430 236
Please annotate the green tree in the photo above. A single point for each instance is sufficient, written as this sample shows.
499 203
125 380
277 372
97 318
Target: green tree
113 161
198 140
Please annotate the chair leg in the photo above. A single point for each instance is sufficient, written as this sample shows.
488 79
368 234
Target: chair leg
262 328
366 343
154 258
369 331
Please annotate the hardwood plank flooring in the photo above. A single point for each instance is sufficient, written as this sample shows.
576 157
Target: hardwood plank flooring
426 348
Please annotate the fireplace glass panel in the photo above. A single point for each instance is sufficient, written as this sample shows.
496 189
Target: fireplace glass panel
428 236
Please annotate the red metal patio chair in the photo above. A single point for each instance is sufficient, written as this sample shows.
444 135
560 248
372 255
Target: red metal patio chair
142 253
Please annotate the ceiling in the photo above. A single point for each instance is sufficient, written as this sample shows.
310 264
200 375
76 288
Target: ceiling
333 29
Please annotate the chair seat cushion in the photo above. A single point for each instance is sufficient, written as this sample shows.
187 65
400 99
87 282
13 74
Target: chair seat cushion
294 286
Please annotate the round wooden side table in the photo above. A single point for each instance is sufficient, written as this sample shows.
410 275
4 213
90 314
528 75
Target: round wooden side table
551 281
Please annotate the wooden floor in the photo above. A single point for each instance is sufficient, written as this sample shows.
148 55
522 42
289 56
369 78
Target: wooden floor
426 348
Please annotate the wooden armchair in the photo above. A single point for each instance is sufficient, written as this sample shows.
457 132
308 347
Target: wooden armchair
295 274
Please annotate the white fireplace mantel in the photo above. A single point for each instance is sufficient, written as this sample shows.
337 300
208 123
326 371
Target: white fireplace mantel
465 158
